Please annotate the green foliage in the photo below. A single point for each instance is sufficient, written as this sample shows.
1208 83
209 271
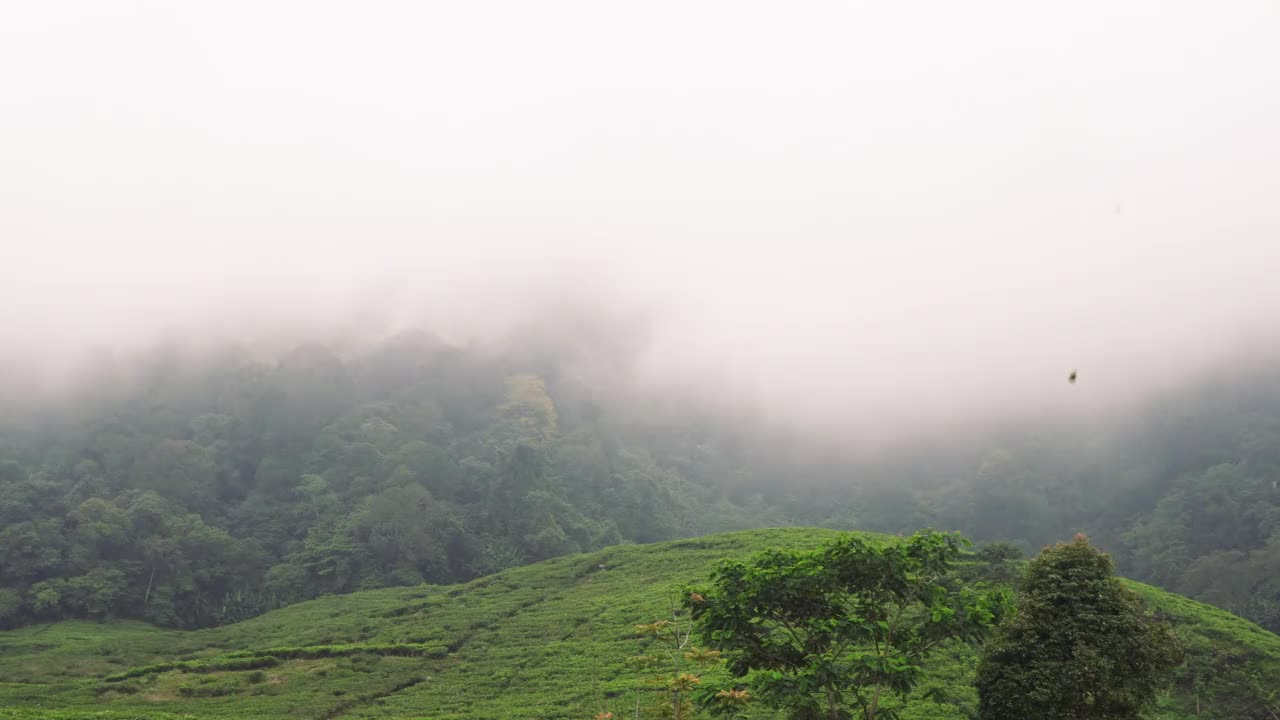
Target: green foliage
202 489
1001 563
999 552
548 641
1080 645
220 486
825 633
180 470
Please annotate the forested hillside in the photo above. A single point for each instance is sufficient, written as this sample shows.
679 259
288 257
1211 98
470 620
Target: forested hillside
1183 492
194 488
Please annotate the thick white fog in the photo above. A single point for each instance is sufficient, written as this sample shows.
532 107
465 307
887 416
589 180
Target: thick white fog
857 213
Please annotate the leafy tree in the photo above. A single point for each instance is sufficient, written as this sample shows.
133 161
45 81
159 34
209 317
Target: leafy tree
31 550
285 583
46 596
25 495
830 633
1001 559
94 594
331 557
401 528
180 470
998 552
99 532
1079 647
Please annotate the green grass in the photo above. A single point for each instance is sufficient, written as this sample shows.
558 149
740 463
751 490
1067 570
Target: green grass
544 641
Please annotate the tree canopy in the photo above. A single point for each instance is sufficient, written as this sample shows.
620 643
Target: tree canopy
220 483
830 634
1079 647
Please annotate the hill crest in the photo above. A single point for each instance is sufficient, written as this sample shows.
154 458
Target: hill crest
547 640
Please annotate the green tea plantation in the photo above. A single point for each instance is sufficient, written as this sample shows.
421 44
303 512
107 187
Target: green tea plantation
545 641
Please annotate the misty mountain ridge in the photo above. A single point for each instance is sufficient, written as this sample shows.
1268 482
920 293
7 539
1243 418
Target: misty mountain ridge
193 486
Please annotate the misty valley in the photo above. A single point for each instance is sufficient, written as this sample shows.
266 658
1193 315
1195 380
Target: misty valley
669 360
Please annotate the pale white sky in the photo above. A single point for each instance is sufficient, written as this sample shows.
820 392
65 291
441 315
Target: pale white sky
849 202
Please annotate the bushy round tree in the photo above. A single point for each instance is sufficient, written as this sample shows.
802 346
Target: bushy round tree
1080 645
829 634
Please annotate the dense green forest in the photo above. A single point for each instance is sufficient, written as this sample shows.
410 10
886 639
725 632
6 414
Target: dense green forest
195 488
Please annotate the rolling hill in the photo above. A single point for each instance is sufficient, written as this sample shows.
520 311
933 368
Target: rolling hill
548 640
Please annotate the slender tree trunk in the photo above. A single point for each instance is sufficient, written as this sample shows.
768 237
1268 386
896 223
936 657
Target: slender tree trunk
875 702
147 595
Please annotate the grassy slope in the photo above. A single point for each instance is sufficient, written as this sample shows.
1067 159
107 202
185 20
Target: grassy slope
536 642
